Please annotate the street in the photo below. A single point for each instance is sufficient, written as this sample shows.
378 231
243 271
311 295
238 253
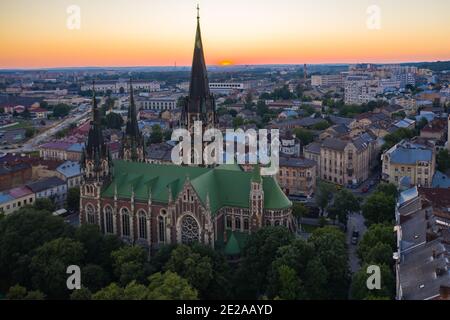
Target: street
355 222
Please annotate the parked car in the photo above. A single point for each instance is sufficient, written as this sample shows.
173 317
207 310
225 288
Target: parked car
365 189
355 237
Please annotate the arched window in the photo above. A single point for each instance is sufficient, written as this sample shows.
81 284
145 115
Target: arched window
125 222
277 222
190 231
268 224
109 221
246 224
237 223
142 225
229 223
162 229
90 213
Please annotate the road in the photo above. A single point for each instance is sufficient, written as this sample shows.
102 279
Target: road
31 144
355 222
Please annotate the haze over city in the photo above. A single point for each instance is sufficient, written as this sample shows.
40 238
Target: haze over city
159 33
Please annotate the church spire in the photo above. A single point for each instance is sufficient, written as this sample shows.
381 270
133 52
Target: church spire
96 151
200 104
133 142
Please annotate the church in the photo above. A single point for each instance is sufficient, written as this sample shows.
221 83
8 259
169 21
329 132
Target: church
155 204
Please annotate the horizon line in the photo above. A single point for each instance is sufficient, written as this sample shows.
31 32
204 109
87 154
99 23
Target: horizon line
216 65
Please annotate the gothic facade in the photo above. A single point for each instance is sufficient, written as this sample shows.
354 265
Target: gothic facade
155 204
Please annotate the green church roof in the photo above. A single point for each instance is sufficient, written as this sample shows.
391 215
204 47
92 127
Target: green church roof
232 248
226 185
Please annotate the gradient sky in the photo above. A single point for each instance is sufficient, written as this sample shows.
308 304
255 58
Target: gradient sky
33 33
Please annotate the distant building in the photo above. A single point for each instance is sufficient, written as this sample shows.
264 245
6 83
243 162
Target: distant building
70 172
15 199
167 103
14 175
121 86
329 80
407 159
52 188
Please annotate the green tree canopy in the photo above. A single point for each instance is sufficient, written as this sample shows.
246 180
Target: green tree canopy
379 208
49 264
170 286
359 290
157 135
130 263
113 121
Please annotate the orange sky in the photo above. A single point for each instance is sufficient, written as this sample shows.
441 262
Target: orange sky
33 33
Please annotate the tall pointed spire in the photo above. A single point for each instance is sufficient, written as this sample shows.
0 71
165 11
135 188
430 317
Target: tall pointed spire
96 151
199 86
200 104
133 141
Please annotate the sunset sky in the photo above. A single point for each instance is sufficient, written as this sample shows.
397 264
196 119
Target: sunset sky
33 33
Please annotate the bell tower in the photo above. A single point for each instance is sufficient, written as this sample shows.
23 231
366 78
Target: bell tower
96 165
256 199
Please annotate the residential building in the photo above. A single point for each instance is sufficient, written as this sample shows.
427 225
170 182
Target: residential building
162 103
409 159
347 162
15 199
52 188
297 176
70 172
423 239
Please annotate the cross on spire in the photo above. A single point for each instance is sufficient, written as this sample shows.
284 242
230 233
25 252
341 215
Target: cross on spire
198 11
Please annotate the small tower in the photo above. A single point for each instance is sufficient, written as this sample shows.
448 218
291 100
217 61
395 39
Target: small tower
256 199
133 147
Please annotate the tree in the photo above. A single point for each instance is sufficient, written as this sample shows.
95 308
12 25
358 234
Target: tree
331 249
321 125
258 254
238 122
261 108
344 203
170 286
20 234
81 294
288 286
94 277
381 253
443 160
111 292
192 266
157 135
49 264
304 135
44 204
167 135
61 110
389 189
249 100
29 132
324 194
397 136
376 234
73 199
378 208
359 290
299 210
130 263
16 292
113 121
135 291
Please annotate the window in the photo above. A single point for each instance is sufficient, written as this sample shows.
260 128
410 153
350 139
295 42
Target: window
229 223
268 224
125 222
161 229
246 224
190 231
142 225
109 222
237 223
90 213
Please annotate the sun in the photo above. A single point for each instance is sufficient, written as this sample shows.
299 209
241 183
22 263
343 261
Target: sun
225 63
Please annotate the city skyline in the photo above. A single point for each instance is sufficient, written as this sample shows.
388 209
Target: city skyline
159 33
